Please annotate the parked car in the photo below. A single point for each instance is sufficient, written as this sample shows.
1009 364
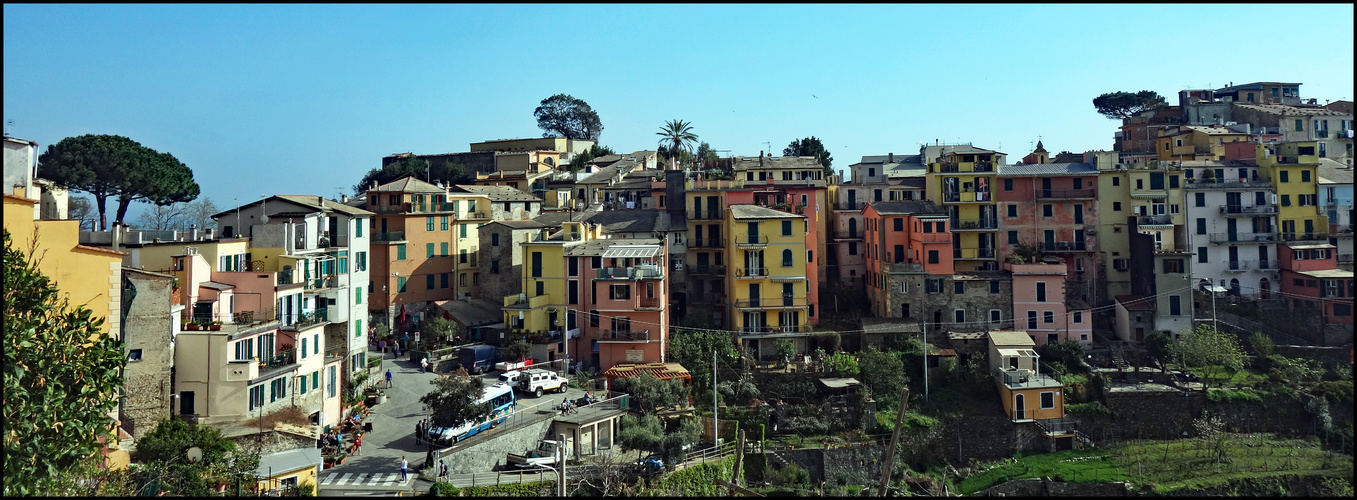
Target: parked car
537 381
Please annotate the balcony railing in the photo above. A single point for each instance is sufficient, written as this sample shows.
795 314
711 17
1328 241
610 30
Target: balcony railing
772 302
1300 236
717 242
631 273
907 267
1213 183
1239 265
1245 237
848 235
1248 210
1340 228
647 302
850 205
623 335
281 358
389 236
1156 220
707 269
1063 246
930 237
752 239
766 330
321 283
1344 258
1065 194
973 253
751 272
983 223
284 278
951 196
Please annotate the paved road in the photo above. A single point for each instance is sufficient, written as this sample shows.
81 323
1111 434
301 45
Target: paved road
377 465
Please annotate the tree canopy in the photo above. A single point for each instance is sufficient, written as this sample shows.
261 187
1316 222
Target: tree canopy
693 350
1121 105
811 146
164 449
676 137
1212 352
453 401
562 115
654 393
115 166
882 372
594 151
419 168
61 377
179 216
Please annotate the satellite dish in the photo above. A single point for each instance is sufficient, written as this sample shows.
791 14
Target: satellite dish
264 219
195 454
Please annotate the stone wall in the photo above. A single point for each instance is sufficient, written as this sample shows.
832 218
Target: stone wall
976 300
274 441
1327 355
484 452
147 329
1167 415
1035 487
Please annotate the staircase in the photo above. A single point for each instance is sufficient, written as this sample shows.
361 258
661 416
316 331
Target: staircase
1119 358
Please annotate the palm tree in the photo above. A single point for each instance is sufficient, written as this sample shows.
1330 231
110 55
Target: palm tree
678 136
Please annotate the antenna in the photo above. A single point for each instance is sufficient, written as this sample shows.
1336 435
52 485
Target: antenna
768 146
9 125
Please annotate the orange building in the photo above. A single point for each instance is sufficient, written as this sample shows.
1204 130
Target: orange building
413 242
903 237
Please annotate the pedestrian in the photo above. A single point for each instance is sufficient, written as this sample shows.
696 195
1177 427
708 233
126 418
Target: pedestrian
388 378
442 469
424 364
357 443
419 432
404 468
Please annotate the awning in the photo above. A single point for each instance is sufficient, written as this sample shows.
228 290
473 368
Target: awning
631 251
1017 352
1214 289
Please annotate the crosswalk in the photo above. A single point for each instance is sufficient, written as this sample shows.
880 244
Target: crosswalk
365 479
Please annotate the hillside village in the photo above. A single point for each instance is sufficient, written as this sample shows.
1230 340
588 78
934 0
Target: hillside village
933 310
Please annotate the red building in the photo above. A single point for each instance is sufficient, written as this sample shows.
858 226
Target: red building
903 237
1053 207
1311 280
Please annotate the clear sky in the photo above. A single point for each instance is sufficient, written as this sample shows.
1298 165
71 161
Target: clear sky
305 99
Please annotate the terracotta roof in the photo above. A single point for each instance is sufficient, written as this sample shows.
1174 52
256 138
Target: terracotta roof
1010 339
662 371
100 250
408 184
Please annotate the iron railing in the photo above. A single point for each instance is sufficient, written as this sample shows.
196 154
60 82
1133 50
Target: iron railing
605 335
1237 237
1063 246
752 272
772 302
1065 194
1248 210
983 223
389 236
1155 220
752 239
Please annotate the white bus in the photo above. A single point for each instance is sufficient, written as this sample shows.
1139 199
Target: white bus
501 399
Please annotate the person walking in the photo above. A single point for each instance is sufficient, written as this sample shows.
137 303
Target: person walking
404 468
357 444
424 364
388 378
442 470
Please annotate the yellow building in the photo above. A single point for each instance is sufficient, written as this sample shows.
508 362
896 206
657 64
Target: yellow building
1114 207
541 306
1192 142
86 276
1293 169
289 469
961 181
770 295
470 212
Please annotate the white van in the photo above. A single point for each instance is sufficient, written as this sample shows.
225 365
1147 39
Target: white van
536 381
510 377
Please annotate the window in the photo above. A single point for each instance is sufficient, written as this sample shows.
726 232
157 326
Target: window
461 257
330 384
1048 400
1175 305
933 285
400 284
619 292
256 397
537 264
1116 206
1116 181
996 316
1041 291
1201 225
428 223
1285 176
400 252
358 228
358 295
1047 211
899 223
303 348
443 280
462 228
994 287
1286 199
593 318
1173 181
301 384
852 248
361 259
134 355
1140 184
443 223
1031 320
315 343
786 228
959 315
461 279
810 256
932 256
1300 125
540 288
428 281
1012 237
786 258
494 266
428 249
958 287
1012 210
1305 176
1048 317
1199 199
1008 184
1201 255
494 239
1078 317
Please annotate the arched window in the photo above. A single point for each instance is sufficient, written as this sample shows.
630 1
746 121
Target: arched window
787 258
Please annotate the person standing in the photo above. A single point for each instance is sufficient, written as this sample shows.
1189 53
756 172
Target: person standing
424 364
357 444
388 378
404 468
442 470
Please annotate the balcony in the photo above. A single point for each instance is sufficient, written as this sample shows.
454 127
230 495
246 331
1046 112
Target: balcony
707 269
748 331
751 241
1239 266
647 302
1063 246
1066 194
1344 258
1241 237
848 235
1212 183
982 224
949 167
906 267
1336 229
751 272
622 335
856 205
967 196
388 236
771 303
930 237
1155 220
1248 210
281 358
642 272
709 243
1300 236
973 253
982 166
323 283
1026 379
1322 134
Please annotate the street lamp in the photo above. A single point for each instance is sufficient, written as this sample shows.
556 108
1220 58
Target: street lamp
559 480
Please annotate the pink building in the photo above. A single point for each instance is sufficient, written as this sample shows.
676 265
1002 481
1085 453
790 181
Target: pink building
1051 206
1311 279
1041 307
623 301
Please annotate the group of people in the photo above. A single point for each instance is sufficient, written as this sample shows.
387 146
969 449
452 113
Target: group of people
567 407
421 431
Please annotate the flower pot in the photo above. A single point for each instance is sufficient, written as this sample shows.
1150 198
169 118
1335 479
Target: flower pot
215 328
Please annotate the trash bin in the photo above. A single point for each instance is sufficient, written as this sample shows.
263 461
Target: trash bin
367 426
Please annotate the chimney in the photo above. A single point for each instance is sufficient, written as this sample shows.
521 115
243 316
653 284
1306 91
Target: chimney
193 232
343 198
890 157
374 184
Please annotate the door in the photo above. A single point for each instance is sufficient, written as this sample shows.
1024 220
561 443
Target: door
753 232
1046 187
1019 406
754 291
1234 258
788 294
1262 257
1232 229
1309 229
186 403
1078 214
852 199
852 227
1048 236
1234 200
383 225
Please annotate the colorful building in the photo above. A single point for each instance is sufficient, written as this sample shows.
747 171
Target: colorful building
770 256
961 180
1041 304
1311 281
1050 207
1292 167
1231 226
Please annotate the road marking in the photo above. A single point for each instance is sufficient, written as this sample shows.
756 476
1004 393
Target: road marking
345 478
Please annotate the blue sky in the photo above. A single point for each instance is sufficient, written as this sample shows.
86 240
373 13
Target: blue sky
305 99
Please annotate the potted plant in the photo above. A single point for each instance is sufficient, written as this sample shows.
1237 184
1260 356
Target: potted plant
191 326
381 397
214 326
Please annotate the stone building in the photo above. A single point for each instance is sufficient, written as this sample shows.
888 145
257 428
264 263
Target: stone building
152 310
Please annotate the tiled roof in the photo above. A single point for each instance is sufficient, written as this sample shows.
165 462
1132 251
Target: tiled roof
322 203
598 247
408 184
520 224
1282 109
742 163
1010 339
499 193
602 176
757 212
907 207
1025 169
662 371
559 217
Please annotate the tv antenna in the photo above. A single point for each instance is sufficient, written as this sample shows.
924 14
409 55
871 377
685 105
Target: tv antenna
9 124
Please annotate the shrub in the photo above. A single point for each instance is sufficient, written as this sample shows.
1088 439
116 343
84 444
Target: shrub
1335 390
791 475
1261 344
1093 409
917 420
1228 396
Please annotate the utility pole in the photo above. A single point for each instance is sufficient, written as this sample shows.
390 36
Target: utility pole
895 437
715 420
561 451
925 330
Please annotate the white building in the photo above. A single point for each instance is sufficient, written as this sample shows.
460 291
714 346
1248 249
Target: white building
1231 219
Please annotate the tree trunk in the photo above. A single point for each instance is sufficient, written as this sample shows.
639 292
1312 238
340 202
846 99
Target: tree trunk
123 204
99 205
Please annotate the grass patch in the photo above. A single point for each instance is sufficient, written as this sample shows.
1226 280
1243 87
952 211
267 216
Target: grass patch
1073 378
1079 466
1187 464
886 421
1229 396
1088 409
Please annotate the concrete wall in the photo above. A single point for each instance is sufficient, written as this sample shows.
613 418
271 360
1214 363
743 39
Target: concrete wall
484 452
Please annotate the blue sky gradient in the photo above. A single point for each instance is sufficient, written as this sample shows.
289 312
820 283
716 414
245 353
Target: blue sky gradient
305 99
